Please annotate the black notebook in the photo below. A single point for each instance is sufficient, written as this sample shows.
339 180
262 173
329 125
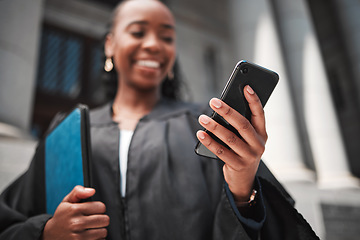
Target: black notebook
67 156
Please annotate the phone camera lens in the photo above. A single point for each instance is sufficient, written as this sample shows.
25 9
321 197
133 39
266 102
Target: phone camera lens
244 70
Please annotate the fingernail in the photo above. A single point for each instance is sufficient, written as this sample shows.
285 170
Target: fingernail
88 190
249 90
216 102
201 135
204 119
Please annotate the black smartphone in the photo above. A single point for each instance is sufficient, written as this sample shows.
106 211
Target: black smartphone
260 79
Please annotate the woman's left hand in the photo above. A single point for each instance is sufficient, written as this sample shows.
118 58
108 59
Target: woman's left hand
243 157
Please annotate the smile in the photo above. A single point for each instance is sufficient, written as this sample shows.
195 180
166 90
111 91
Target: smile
148 63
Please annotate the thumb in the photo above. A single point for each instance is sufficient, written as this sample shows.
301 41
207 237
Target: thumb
78 193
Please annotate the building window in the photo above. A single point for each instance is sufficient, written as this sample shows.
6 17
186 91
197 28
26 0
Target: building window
69 71
60 64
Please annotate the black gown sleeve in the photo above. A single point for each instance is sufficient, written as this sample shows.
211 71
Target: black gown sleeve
226 224
253 217
22 204
282 222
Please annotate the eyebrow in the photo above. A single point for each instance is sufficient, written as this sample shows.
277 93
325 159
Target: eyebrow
164 25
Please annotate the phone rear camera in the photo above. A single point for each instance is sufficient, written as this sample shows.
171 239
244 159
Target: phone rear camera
244 70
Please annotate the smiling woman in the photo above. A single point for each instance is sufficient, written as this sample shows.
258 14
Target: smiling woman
142 45
157 36
148 181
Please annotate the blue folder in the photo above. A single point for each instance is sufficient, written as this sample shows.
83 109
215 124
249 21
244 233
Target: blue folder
67 157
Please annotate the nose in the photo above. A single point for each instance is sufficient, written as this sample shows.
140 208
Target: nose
152 43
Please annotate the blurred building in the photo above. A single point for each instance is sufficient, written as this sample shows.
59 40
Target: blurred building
51 58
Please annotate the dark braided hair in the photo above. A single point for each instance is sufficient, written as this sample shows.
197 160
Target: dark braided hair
170 88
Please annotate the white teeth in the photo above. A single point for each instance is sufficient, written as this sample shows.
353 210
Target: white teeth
148 63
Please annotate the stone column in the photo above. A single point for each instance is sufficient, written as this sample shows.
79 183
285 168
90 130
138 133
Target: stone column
256 40
348 12
312 88
20 23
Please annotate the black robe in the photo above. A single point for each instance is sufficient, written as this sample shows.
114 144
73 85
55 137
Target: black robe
171 193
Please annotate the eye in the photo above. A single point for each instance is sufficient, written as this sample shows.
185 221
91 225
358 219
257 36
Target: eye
138 34
168 39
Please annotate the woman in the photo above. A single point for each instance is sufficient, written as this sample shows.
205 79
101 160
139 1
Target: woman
149 182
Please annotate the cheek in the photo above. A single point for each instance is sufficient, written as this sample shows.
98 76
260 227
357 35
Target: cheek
171 52
122 56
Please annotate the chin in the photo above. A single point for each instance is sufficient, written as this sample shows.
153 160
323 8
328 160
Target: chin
147 86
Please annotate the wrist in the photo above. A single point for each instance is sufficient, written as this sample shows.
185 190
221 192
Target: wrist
250 202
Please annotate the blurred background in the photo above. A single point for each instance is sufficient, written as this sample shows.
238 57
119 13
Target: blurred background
51 57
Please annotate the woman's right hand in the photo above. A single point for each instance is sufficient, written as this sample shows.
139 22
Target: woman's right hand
78 220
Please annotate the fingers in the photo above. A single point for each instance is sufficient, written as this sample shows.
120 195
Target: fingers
78 220
83 223
86 209
90 208
83 218
239 169
253 134
97 221
239 152
93 233
234 118
100 233
257 111
78 193
228 156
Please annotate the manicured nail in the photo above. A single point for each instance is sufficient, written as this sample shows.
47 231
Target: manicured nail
201 135
204 119
88 190
216 103
249 90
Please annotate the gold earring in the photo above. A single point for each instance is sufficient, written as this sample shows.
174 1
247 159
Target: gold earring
170 75
108 64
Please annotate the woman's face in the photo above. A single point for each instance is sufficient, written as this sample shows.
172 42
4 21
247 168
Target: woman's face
142 44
